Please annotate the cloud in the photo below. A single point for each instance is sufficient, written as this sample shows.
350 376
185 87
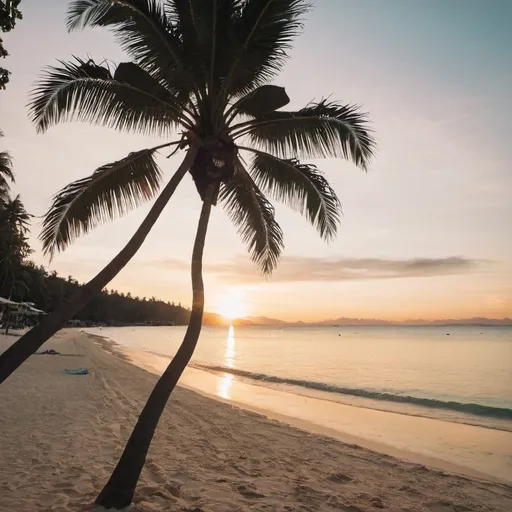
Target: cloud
304 269
170 263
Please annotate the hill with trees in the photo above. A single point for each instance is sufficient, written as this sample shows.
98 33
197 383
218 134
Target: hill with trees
110 307
23 281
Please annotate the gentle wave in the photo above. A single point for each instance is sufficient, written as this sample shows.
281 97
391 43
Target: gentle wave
469 408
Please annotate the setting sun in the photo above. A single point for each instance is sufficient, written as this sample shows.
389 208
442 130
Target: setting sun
232 304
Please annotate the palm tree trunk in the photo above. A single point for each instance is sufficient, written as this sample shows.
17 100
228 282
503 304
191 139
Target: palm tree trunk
7 323
119 490
29 343
9 315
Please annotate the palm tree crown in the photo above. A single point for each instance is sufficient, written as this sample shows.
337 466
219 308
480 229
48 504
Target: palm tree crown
200 69
6 174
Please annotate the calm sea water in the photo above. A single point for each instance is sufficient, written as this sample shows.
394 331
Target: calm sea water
458 374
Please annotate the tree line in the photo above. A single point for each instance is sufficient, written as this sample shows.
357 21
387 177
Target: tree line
47 290
21 280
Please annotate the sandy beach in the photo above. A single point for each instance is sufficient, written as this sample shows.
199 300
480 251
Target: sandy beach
61 436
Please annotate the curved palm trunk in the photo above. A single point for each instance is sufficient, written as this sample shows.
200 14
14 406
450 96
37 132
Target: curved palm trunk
119 490
29 343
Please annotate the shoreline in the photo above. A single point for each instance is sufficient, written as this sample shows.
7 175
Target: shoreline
309 427
62 436
193 379
362 403
467 409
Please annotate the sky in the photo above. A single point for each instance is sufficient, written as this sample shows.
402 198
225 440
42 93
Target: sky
426 233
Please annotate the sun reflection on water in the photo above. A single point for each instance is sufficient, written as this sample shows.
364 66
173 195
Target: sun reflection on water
225 381
229 355
224 385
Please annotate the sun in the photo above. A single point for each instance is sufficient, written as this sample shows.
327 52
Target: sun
231 304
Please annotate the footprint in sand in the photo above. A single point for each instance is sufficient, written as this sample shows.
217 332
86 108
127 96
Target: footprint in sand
150 492
249 493
84 487
173 490
339 478
116 429
377 502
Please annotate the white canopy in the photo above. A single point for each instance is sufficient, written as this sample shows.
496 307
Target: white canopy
7 301
25 307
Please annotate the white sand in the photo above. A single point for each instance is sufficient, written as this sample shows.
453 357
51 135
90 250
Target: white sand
61 435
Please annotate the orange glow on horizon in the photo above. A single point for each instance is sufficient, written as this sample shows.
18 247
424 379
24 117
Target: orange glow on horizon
231 304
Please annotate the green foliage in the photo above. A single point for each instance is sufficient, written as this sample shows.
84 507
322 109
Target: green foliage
262 36
263 100
302 187
109 192
142 29
48 290
9 14
202 68
14 247
6 174
23 281
81 90
254 217
320 130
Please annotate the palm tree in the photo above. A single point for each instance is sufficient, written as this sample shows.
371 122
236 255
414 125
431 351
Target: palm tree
14 248
168 87
199 68
6 173
15 215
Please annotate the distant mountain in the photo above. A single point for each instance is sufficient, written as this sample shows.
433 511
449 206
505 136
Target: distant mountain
374 321
263 320
353 321
215 319
463 321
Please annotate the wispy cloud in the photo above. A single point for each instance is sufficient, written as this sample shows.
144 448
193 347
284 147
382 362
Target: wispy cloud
303 269
170 263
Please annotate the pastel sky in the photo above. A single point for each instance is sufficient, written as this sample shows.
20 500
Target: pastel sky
425 234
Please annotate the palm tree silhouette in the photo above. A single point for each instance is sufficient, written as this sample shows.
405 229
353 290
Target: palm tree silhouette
200 69
6 173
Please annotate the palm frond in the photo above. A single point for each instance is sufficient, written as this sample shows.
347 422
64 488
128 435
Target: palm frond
110 192
6 167
194 19
5 170
15 214
193 22
83 91
300 186
263 34
205 29
254 218
134 75
319 130
260 101
141 28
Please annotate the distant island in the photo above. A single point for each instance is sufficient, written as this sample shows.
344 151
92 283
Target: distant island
342 321
420 322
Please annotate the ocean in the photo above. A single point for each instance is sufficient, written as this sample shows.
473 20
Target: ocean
359 380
